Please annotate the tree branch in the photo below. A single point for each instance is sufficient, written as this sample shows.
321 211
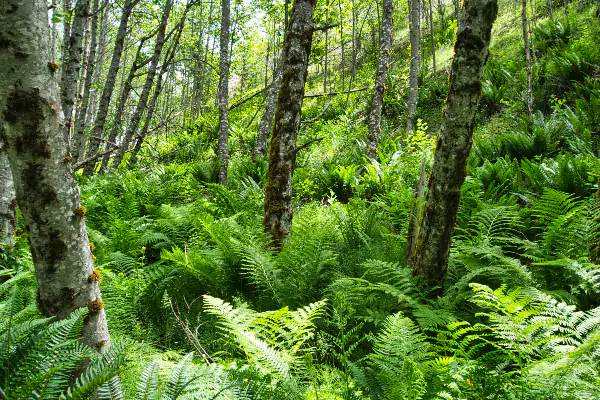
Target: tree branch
325 27
305 145
310 121
83 163
336 93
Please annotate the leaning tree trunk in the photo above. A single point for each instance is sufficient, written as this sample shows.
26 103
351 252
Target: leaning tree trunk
380 79
277 220
223 96
454 143
527 61
413 73
171 51
266 121
143 102
432 34
45 186
8 201
72 65
78 139
126 88
109 86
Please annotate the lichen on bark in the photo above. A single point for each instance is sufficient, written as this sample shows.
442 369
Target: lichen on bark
454 143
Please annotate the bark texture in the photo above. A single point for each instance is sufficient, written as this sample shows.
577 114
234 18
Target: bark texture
432 35
383 66
454 143
72 65
78 138
45 186
143 102
413 73
527 60
8 202
416 213
278 207
223 95
109 85
266 121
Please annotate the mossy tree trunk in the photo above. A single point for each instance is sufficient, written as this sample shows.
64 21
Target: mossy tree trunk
527 60
223 95
109 86
413 73
383 65
282 155
454 143
8 202
45 186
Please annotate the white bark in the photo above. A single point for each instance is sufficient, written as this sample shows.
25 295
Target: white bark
413 74
8 202
45 186
223 95
383 65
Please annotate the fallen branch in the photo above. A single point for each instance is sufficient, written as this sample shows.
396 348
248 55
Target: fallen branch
305 145
103 140
310 121
247 99
83 163
336 93
324 27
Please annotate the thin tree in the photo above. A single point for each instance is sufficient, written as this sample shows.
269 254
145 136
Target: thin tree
278 208
527 60
8 201
223 95
266 121
448 172
413 73
72 65
383 66
432 36
133 125
45 186
109 86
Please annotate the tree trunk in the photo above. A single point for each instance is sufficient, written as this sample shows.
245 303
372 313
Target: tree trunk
157 90
45 186
72 65
126 89
277 221
550 9
413 74
432 34
143 102
54 39
8 202
454 144
415 215
223 96
67 9
383 65
78 141
109 85
266 122
527 61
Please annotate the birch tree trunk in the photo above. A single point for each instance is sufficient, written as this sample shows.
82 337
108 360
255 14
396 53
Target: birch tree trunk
8 201
448 173
72 65
413 74
143 102
278 208
126 89
432 34
109 85
383 65
157 91
45 186
78 140
223 96
266 121
527 61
